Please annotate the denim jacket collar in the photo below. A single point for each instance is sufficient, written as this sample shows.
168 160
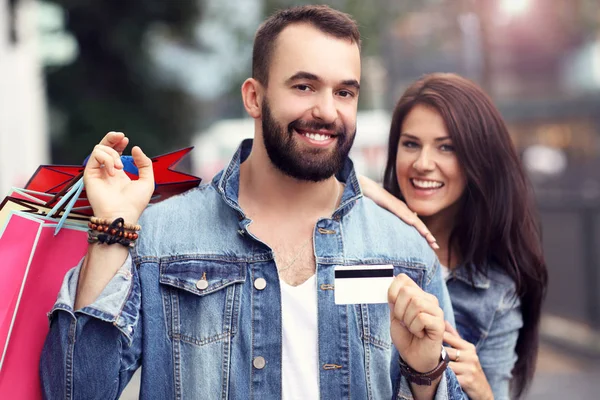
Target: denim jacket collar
227 181
480 281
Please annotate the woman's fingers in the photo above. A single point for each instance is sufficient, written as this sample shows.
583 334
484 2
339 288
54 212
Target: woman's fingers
458 368
457 342
423 230
457 355
451 329
396 206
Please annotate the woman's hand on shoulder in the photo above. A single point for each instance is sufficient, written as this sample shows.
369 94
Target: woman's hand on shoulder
466 366
384 199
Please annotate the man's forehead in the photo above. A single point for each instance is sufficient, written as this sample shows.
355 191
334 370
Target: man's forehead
303 47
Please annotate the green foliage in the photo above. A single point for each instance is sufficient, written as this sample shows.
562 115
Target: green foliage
112 84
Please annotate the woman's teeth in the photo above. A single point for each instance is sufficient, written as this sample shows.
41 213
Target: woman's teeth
426 184
317 136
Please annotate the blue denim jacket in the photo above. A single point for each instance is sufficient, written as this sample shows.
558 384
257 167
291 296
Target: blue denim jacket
199 342
488 315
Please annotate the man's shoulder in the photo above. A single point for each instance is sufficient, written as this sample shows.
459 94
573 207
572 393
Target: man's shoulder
373 212
183 222
379 230
197 200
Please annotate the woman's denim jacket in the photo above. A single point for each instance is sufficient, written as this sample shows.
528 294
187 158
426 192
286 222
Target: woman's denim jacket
488 314
185 308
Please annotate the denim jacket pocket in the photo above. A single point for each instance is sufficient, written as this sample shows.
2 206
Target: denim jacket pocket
201 299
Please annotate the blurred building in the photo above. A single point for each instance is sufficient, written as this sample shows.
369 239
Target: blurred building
23 140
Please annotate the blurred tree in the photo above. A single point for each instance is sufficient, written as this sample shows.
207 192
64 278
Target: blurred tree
113 84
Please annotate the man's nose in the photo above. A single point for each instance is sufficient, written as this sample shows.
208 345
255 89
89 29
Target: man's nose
325 109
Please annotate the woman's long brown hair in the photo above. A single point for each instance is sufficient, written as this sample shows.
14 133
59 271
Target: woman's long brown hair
497 220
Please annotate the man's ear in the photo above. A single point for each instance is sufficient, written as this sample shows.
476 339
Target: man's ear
252 96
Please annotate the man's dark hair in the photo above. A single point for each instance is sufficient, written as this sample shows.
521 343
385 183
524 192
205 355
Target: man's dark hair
324 18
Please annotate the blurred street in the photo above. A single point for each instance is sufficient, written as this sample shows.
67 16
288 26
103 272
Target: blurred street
565 375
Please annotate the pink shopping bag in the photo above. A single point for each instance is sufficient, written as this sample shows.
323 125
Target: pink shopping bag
34 262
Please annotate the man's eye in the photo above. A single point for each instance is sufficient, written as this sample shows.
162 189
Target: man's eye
346 93
302 88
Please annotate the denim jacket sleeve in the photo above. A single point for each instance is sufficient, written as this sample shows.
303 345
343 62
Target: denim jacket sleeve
92 353
448 388
497 352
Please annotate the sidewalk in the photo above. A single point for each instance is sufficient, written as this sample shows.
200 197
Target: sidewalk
568 363
565 375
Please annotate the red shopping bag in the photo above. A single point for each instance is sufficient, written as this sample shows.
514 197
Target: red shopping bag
56 179
34 261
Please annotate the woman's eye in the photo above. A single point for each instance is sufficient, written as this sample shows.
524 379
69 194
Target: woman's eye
410 144
447 147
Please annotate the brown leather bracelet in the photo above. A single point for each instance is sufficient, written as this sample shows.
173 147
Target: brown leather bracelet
425 378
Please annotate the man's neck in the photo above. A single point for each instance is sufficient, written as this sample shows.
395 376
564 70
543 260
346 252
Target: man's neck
264 188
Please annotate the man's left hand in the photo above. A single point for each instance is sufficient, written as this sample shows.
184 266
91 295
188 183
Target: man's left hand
417 324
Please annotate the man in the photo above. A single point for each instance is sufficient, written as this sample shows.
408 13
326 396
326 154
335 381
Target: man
230 291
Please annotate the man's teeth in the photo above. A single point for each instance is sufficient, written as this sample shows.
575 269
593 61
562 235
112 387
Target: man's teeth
317 136
427 184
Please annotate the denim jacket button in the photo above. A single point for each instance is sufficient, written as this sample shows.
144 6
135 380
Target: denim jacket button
259 362
202 284
260 284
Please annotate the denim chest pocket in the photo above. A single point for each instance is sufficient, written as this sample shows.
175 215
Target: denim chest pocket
374 319
201 299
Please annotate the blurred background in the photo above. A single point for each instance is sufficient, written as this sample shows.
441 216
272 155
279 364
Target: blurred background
168 73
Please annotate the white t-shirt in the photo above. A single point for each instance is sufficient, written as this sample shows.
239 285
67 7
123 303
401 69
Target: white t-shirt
300 348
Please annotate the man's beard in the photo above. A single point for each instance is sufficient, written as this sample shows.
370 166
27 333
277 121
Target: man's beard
311 164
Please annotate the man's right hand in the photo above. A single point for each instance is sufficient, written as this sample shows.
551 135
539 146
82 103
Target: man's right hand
110 191
112 195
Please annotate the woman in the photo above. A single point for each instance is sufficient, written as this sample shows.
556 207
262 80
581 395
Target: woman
452 161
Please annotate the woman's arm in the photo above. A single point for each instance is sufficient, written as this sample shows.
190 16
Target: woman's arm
486 373
396 206
466 365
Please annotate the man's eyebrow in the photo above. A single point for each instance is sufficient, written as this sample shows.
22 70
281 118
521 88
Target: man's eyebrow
351 82
303 75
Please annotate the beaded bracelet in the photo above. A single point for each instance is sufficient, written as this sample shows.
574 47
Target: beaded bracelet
102 221
103 231
96 237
